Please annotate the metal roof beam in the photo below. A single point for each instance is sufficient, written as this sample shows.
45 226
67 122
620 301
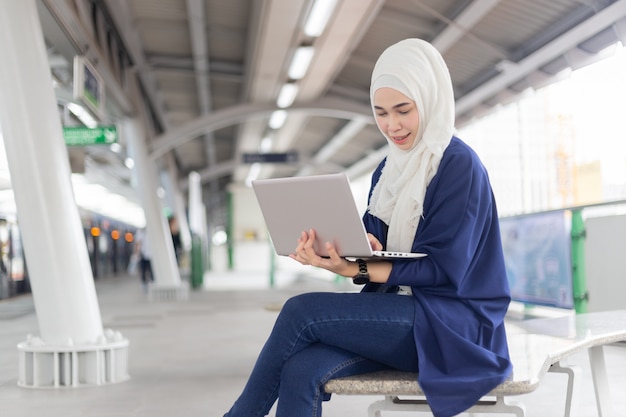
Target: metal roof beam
534 61
345 135
200 51
237 114
463 24
122 15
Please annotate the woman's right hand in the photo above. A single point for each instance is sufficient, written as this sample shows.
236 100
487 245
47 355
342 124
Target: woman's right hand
306 255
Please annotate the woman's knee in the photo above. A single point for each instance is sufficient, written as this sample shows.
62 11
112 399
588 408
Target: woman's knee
300 304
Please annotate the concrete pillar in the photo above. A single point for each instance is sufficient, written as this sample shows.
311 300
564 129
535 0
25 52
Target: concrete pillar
197 225
162 257
178 203
185 234
54 243
196 218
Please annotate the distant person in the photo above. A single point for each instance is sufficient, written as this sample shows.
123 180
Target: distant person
441 315
142 246
175 231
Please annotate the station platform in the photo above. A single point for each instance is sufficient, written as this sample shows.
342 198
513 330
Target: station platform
191 358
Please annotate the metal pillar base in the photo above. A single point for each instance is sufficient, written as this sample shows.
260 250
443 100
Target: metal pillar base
169 293
71 366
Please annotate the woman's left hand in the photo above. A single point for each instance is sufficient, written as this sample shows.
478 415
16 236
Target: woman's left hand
306 255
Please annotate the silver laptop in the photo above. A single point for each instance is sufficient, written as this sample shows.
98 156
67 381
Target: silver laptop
321 202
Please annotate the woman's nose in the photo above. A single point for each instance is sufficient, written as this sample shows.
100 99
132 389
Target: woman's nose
394 123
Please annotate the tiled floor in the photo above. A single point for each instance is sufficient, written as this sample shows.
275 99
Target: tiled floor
191 358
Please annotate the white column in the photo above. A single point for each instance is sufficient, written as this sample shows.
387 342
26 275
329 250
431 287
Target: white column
178 203
185 234
195 204
162 257
54 244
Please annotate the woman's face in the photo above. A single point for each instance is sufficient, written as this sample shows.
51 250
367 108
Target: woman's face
397 117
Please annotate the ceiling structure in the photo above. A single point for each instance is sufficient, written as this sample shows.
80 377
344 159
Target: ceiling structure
211 71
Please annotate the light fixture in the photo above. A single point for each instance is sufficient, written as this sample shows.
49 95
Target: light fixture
82 114
115 147
219 237
318 17
94 197
277 119
300 62
287 95
266 144
253 174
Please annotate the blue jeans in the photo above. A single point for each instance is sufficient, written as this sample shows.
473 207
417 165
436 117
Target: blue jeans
320 336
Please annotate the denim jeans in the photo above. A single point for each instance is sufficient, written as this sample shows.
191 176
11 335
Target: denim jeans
320 336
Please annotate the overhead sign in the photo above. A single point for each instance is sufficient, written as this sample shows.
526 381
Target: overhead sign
81 136
88 85
287 157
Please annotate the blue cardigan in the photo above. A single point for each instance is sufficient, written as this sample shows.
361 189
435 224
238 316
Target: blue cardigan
460 289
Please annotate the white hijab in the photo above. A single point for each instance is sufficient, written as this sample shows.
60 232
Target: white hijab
417 70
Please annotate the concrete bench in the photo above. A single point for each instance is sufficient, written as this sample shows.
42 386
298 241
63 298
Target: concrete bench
536 346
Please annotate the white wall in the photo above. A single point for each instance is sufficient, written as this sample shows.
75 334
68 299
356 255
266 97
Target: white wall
248 224
605 258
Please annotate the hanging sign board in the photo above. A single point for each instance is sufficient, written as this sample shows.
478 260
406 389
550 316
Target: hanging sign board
88 85
288 157
81 136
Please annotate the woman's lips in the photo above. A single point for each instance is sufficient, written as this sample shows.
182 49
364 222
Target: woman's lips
400 139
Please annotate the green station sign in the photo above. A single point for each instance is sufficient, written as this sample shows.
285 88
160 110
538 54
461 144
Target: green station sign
81 136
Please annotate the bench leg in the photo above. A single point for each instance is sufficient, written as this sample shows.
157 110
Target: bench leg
499 406
573 387
393 403
600 382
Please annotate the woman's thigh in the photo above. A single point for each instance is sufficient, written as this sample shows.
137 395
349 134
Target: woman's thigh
376 326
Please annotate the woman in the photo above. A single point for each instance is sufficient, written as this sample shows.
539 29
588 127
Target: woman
441 315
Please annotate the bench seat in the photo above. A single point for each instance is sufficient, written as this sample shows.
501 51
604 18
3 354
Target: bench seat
536 347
